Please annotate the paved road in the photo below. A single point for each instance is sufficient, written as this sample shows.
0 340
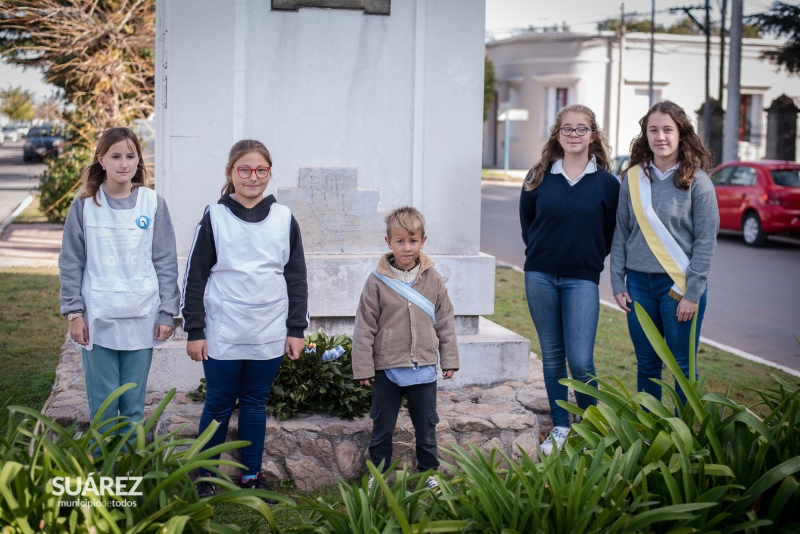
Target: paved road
17 178
754 294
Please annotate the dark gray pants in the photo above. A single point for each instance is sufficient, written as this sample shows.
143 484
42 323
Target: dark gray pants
386 399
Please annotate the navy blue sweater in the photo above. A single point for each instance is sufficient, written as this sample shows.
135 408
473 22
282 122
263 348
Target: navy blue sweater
566 229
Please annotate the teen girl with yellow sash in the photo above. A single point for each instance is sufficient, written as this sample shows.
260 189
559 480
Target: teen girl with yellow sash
666 235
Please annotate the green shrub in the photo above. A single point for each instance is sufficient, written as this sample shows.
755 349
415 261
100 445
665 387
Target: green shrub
37 450
313 385
714 450
631 465
58 186
559 494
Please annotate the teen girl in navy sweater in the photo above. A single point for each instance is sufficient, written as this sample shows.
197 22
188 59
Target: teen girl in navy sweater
567 212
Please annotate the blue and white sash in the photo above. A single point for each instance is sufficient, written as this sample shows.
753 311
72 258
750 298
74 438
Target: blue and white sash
409 293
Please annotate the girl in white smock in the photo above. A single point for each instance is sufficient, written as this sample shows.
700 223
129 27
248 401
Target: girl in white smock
118 270
244 304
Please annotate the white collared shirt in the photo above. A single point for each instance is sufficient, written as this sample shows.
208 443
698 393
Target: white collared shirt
558 168
666 174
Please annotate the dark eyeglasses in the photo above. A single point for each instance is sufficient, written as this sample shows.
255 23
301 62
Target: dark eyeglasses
566 131
245 172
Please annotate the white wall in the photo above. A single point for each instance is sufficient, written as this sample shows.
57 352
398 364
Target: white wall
394 96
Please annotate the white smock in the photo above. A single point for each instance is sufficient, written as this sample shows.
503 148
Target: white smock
120 285
246 301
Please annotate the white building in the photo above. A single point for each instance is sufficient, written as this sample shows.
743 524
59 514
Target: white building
543 72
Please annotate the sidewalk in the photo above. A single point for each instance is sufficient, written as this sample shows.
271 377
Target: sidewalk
30 245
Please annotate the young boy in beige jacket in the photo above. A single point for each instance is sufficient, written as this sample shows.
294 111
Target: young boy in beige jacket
404 326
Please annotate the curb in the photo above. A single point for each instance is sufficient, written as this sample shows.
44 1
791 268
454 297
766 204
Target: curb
19 209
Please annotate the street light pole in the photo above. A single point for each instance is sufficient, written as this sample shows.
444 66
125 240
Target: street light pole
652 51
707 109
724 10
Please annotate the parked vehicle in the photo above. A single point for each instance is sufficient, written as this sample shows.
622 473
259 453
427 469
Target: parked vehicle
11 134
42 141
619 165
758 198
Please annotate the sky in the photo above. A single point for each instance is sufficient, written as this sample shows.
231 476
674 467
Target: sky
29 79
503 17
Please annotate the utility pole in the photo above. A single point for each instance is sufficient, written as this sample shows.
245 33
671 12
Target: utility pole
706 29
707 108
619 74
652 51
724 10
730 146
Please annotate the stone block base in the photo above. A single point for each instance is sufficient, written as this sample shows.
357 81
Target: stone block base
315 450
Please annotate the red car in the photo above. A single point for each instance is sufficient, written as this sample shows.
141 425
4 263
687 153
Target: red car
758 198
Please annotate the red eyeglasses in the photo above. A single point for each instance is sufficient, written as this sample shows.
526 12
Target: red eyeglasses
245 172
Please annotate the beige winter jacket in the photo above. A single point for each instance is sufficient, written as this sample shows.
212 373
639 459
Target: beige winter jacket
390 332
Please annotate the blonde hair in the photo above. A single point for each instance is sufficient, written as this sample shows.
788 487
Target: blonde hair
553 151
242 148
407 218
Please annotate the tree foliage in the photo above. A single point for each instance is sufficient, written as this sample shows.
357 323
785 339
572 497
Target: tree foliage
783 20
685 26
17 104
100 52
488 85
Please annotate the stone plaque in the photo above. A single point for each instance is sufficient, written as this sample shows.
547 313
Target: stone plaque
335 216
370 7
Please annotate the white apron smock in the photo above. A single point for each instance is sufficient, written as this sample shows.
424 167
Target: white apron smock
246 300
120 285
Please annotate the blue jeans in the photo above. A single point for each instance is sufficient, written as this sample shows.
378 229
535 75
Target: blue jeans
565 312
386 399
250 382
106 369
651 291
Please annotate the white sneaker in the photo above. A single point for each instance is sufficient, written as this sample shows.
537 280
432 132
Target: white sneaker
432 485
557 435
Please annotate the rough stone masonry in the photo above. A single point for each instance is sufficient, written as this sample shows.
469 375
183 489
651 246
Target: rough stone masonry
317 450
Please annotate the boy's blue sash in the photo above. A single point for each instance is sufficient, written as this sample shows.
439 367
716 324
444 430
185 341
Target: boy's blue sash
409 293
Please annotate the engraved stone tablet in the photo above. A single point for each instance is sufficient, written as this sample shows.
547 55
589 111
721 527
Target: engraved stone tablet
335 216
370 7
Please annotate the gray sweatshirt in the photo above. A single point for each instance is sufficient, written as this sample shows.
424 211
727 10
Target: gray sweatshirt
72 260
691 216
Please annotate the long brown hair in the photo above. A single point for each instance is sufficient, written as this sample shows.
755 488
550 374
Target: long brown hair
94 175
692 151
239 149
553 151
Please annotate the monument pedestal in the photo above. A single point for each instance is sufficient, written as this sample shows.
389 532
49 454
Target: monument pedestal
489 355
362 114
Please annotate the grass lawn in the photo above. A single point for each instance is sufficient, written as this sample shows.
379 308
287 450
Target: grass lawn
32 332
498 175
32 213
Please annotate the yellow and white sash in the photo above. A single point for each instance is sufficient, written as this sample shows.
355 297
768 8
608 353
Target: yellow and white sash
666 250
